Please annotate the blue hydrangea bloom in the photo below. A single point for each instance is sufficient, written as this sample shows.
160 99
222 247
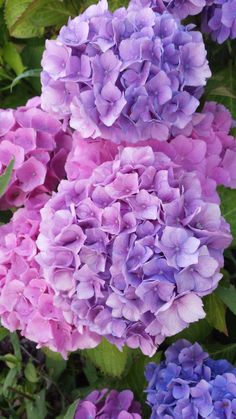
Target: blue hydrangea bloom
189 384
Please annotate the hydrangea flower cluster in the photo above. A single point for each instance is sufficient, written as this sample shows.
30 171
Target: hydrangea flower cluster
218 16
127 76
26 300
207 147
130 250
39 146
106 404
204 146
219 20
189 384
179 8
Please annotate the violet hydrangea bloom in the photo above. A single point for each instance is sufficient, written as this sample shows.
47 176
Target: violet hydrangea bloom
218 16
130 251
39 146
189 384
124 76
219 20
205 146
26 300
179 8
106 404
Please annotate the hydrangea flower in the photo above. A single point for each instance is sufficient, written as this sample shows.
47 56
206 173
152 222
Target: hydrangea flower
207 147
130 251
218 16
189 384
39 146
204 146
124 76
219 20
26 300
109 404
86 155
179 8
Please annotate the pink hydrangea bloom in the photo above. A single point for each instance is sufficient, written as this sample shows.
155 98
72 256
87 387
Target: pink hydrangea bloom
212 127
86 155
37 142
130 250
26 300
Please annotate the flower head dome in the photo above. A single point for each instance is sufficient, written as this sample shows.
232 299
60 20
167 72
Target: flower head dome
26 300
130 251
189 384
127 76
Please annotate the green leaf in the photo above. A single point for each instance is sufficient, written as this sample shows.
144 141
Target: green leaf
16 345
9 380
215 310
108 358
228 296
70 413
218 351
10 360
55 364
37 409
196 332
135 380
18 18
53 12
3 333
13 58
31 373
29 73
222 88
228 208
6 177
28 18
91 372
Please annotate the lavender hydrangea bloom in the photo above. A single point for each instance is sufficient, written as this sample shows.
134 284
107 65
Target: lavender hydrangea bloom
26 300
219 20
124 76
106 404
39 146
218 16
204 146
130 250
179 8
189 384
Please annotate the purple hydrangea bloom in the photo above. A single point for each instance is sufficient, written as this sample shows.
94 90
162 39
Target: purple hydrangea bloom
130 250
26 300
124 76
39 146
106 404
189 384
218 16
204 146
219 20
179 8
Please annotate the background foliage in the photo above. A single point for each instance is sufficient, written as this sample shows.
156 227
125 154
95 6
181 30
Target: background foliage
39 384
